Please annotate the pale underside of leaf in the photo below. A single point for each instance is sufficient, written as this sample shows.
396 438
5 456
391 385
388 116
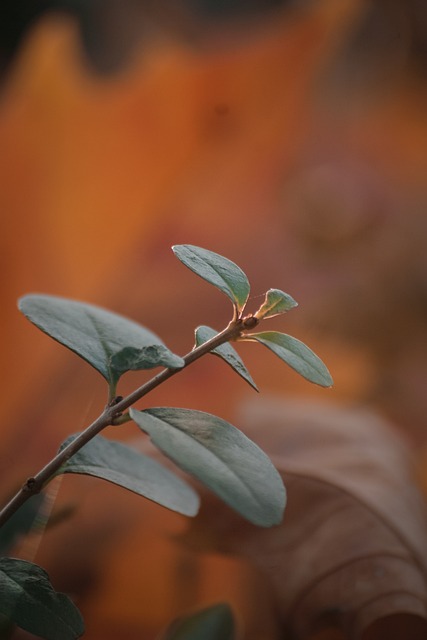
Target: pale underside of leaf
93 333
28 598
217 270
221 457
296 354
276 303
126 467
133 359
226 352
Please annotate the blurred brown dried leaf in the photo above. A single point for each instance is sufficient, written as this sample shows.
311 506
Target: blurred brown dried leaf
352 550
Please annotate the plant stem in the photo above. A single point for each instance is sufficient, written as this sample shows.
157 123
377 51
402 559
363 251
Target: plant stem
232 331
110 416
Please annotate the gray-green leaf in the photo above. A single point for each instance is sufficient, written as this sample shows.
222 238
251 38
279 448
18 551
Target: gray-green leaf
296 354
221 457
276 302
226 352
126 467
28 599
132 359
93 333
219 271
213 623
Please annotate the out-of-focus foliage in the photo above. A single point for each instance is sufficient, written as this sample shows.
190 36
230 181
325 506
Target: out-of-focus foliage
110 30
214 623
306 131
353 544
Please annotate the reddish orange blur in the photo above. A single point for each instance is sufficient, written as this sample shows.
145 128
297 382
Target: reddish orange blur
98 178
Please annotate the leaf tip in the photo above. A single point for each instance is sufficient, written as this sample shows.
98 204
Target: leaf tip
328 382
22 301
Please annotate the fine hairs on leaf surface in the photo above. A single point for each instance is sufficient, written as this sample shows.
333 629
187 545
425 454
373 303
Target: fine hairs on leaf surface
150 357
207 447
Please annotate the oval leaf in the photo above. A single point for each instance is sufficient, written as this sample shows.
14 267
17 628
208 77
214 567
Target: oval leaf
28 598
219 271
296 354
126 467
95 334
213 623
276 302
221 457
226 352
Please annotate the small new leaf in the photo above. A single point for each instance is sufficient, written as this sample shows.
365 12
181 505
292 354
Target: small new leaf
276 302
93 333
219 271
221 457
226 352
296 354
29 600
126 467
213 623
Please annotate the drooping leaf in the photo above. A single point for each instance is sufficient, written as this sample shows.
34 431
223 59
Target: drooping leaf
221 457
219 271
296 354
28 599
226 352
133 359
276 302
213 623
95 334
126 467
20 523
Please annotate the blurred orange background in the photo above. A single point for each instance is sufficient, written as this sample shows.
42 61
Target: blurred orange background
294 146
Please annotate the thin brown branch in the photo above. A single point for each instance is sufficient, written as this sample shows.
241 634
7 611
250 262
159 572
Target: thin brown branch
110 416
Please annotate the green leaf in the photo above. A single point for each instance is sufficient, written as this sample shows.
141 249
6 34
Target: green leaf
219 271
221 457
28 599
93 333
132 359
126 467
226 352
276 302
213 623
296 354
